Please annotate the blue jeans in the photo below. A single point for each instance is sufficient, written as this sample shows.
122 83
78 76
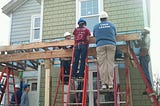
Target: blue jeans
144 60
80 53
66 65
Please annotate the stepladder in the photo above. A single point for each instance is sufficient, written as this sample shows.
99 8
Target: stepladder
110 97
7 86
149 89
74 91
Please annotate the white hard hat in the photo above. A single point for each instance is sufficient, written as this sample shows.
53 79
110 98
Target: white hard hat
67 34
103 14
17 86
147 29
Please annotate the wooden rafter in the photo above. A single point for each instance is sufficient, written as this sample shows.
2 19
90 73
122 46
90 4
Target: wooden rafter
124 37
30 51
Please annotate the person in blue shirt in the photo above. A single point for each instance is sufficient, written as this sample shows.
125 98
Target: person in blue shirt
24 97
104 33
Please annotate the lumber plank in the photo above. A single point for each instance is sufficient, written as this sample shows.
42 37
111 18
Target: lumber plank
49 54
124 37
41 55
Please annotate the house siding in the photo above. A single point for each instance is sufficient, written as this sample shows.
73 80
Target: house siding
59 17
126 14
21 21
53 83
137 87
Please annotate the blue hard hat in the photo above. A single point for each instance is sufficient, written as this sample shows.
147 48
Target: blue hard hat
81 20
25 85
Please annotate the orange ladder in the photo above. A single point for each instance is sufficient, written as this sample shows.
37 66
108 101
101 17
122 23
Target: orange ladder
7 75
73 90
81 89
114 94
149 90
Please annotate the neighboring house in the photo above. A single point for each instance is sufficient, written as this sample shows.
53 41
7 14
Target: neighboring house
129 16
25 28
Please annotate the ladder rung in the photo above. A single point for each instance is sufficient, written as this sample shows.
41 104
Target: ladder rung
109 102
121 93
106 90
101 91
75 103
72 91
76 79
66 75
122 102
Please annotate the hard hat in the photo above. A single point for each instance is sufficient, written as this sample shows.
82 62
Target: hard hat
81 20
25 85
67 34
17 86
147 29
103 14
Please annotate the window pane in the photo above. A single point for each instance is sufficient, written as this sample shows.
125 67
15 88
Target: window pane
36 33
83 12
89 7
37 22
34 87
91 21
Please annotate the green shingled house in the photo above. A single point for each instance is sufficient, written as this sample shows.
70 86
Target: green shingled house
59 16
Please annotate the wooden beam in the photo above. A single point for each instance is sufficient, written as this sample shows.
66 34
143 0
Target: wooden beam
124 37
47 82
41 55
123 48
128 37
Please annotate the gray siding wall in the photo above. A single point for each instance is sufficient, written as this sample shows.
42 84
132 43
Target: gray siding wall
21 21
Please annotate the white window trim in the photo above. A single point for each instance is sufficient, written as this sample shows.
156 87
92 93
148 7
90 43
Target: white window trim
31 30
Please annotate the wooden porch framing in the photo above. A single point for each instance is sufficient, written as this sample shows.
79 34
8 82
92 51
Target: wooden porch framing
28 55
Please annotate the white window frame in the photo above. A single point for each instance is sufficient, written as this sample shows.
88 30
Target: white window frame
32 28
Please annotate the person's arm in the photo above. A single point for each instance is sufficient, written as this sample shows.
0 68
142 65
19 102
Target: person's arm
74 33
137 43
88 35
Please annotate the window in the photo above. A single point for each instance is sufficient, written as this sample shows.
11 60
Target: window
34 87
35 29
89 10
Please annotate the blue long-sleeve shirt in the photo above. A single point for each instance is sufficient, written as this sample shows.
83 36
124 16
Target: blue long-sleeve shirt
104 33
24 99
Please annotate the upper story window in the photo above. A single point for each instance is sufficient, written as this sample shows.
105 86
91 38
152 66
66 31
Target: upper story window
35 29
89 10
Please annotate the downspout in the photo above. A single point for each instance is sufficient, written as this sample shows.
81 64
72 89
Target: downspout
145 14
38 85
41 24
10 30
39 66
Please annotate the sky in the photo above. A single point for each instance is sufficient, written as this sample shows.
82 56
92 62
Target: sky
4 25
155 32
